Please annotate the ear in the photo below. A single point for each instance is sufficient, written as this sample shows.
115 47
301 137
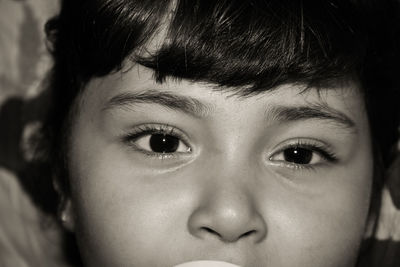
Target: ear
66 214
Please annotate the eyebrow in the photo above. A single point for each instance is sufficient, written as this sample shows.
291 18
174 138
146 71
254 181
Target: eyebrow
196 108
166 99
311 111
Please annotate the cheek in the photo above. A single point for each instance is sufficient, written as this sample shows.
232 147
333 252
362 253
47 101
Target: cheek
325 230
123 214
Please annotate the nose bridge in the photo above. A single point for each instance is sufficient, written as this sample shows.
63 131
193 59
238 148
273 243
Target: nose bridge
228 208
230 185
231 191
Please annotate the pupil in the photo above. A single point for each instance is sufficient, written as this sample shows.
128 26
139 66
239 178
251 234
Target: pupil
162 143
298 155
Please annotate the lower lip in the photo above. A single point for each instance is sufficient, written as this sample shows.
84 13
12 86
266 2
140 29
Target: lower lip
206 264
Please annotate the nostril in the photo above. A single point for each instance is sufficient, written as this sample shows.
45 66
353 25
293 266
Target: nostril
211 231
222 237
248 233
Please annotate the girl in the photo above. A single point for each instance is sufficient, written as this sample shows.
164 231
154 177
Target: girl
254 132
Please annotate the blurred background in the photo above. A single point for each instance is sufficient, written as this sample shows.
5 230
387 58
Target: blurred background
24 63
27 236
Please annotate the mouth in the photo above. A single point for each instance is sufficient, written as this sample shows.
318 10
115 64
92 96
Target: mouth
205 263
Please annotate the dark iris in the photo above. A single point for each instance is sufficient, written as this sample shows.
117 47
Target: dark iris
163 143
298 155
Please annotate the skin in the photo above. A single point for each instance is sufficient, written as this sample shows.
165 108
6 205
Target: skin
228 193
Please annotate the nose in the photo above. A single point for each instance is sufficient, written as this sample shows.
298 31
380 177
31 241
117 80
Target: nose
228 215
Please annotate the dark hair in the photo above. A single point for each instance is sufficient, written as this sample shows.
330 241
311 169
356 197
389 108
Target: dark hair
246 46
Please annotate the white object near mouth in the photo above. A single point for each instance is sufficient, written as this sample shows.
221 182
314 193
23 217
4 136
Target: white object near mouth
206 264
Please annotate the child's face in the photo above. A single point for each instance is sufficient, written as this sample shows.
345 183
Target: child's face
163 174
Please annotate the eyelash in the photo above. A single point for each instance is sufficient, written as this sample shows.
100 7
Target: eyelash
324 151
148 129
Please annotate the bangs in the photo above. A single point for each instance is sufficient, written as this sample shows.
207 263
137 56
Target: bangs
254 45
257 45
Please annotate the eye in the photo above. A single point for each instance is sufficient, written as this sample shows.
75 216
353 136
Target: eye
297 155
158 139
161 143
302 154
